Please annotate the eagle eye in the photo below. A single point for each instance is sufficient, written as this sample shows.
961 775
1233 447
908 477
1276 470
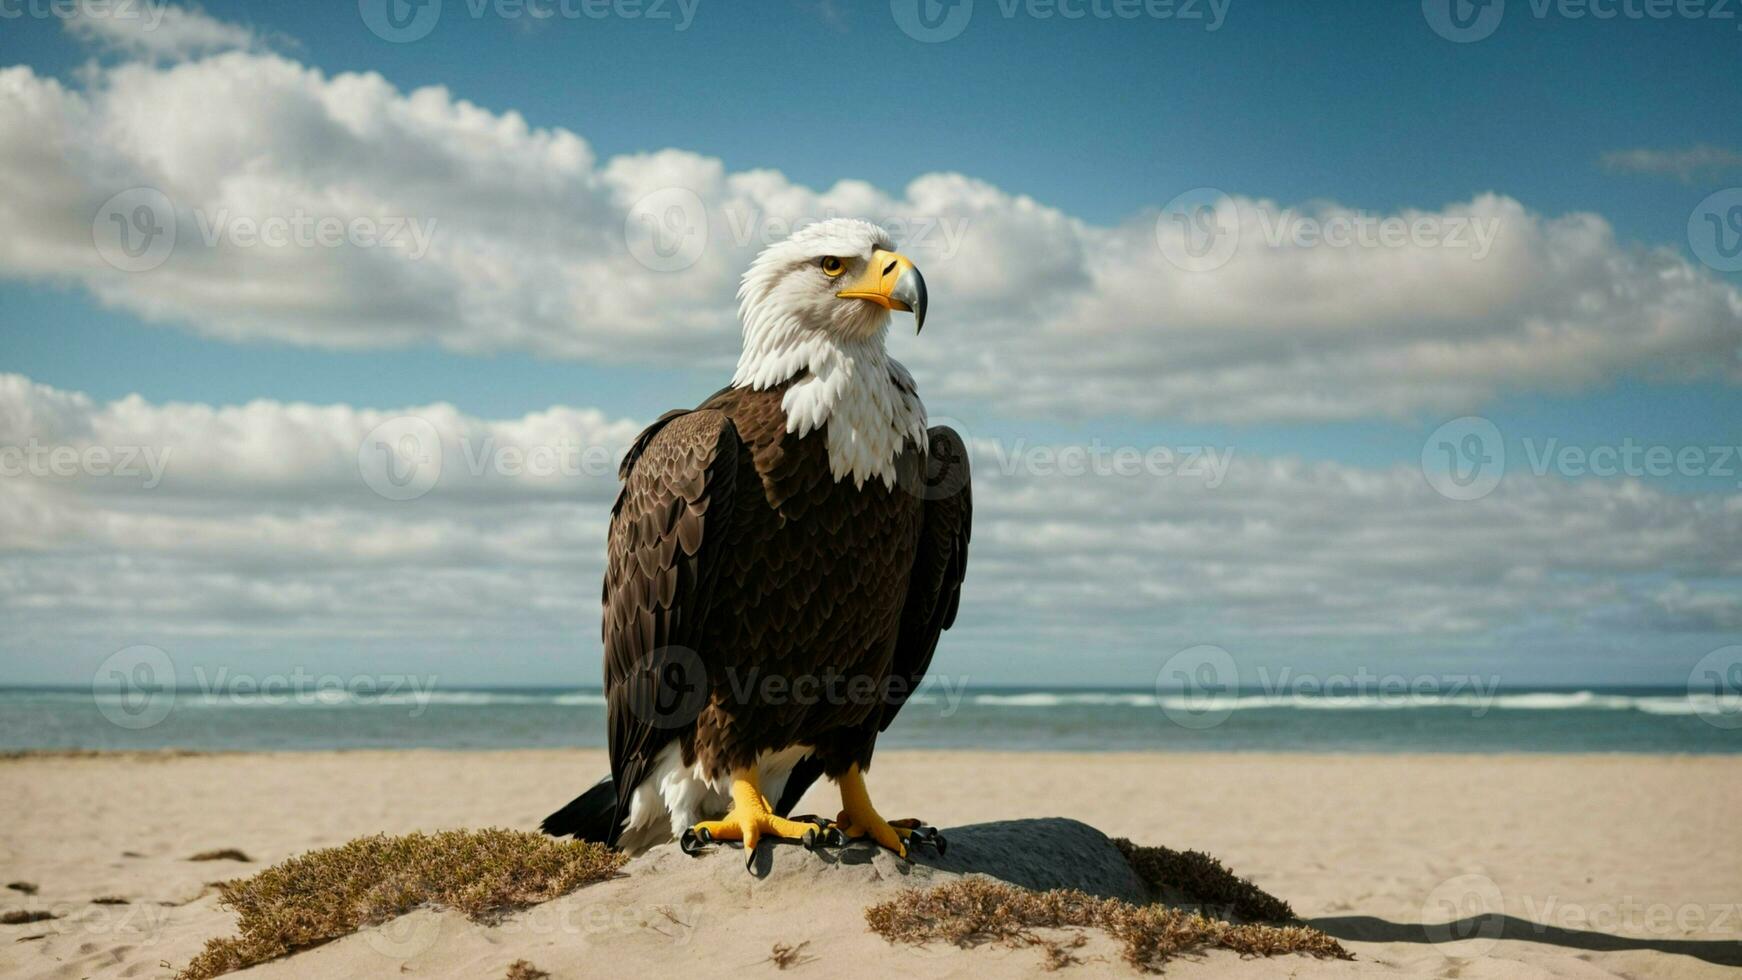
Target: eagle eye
833 266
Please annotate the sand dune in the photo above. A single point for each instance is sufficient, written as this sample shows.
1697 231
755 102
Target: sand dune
1558 866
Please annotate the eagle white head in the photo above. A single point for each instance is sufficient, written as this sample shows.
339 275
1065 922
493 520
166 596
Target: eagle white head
816 307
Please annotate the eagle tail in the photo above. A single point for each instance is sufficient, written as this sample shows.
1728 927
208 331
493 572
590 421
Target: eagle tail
590 816
797 781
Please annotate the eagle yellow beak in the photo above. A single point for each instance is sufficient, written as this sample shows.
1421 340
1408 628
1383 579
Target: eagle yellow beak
891 281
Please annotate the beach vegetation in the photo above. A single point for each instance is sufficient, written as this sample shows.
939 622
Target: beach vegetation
1203 880
222 854
326 894
978 911
523 970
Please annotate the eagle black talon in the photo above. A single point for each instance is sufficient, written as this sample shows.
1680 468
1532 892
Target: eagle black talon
826 833
693 841
928 837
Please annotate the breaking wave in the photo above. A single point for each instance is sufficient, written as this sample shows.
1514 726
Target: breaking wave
1658 703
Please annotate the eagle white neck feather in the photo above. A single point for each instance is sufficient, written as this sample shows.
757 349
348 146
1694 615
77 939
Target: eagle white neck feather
862 398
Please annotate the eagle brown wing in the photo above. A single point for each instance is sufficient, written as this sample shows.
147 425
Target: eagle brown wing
934 588
662 559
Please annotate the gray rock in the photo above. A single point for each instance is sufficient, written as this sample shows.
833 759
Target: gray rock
1037 854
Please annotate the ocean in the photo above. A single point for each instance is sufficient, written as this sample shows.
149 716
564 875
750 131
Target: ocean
1655 720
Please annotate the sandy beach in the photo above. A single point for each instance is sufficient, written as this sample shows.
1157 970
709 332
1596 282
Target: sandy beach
1576 865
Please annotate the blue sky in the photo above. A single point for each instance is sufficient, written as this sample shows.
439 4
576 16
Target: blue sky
1353 102
1096 119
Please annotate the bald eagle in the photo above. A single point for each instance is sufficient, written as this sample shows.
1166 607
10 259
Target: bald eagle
780 563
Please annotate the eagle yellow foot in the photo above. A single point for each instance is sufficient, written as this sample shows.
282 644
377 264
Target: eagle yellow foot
859 819
749 820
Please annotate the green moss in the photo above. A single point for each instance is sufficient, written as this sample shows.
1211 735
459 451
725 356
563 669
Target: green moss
975 911
1203 878
326 894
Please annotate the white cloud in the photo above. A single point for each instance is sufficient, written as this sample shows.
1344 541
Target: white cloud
264 533
1685 164
155 30
533 248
